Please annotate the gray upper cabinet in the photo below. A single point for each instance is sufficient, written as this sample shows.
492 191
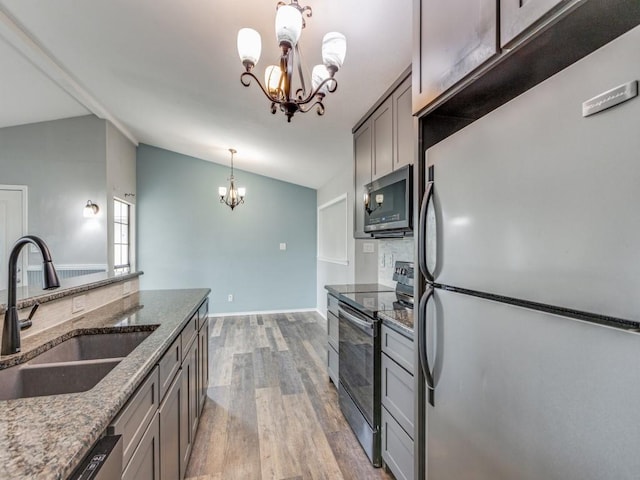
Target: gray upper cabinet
403 129
451 40
383 142
362 152
516 16
382 123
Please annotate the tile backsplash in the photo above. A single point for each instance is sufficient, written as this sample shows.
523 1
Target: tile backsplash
388 252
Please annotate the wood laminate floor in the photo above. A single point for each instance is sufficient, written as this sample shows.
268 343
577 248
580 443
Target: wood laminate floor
271 411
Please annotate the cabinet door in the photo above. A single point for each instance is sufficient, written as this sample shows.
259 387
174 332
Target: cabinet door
362 146
382 124
170 431
518 15
451 39
397 448
203 366
403 130
188 405
145 461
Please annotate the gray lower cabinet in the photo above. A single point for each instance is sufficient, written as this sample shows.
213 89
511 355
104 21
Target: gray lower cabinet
145 461
397 448
333 362
203 364
397 403
170 431
135 417
188 401
158 424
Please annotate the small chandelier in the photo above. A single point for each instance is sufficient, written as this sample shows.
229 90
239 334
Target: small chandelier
234 196
278 78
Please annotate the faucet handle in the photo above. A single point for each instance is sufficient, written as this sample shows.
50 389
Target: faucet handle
24 324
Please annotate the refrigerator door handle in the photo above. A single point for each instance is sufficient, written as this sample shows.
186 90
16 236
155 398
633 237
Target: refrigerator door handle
422 342
422 233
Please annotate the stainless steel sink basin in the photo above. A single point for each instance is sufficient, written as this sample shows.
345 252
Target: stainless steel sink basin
75 365
92 347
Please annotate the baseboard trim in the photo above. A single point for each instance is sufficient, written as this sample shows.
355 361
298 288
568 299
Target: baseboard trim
262 312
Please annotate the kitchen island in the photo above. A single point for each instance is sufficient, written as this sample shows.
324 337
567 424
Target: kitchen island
47 437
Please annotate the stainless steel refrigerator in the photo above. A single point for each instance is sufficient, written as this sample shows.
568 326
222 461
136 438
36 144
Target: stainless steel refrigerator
530 239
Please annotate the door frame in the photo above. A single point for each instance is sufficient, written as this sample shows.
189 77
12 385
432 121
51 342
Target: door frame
24 189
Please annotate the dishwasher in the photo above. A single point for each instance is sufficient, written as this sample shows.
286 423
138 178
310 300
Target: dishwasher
103 462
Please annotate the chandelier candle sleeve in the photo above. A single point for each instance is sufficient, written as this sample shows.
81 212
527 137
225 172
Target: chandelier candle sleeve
288 26
249 46
278 79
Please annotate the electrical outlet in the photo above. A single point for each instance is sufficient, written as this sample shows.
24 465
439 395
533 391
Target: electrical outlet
283 246
126 288
230 297
388 260
368 247
78 303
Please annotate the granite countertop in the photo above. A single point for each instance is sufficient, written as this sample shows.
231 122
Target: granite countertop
29 296
47 437
400 320
357 288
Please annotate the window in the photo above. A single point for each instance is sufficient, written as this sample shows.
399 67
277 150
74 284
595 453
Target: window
121 237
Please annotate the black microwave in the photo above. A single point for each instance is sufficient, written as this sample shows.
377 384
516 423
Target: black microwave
388 204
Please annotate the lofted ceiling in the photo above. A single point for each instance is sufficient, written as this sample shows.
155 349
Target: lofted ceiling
167 73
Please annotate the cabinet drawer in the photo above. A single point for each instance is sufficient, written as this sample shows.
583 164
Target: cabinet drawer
203 314
332 331
169 365
135 416
333 364
332 304
189 334
397 448
398 347
397 393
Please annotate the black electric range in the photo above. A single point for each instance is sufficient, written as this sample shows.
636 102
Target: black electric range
360 352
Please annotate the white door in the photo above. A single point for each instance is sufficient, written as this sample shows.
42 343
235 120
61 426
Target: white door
13 224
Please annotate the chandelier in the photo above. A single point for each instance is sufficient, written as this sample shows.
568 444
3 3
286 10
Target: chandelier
234 196
278 78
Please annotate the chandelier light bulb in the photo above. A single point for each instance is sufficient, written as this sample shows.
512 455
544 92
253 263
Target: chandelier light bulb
334 49
249 46
272 77
222 191
288 25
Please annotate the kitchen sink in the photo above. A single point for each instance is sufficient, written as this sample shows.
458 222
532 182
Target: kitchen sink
92 347
75 365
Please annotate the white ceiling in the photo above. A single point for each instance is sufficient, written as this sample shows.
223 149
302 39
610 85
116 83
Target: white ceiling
167 73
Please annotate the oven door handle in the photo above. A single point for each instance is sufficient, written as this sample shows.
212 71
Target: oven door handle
363 325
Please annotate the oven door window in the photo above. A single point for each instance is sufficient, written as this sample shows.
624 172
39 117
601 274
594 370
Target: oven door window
357 364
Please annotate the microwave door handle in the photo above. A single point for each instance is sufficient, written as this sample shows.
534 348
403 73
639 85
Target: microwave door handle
422 343
422 233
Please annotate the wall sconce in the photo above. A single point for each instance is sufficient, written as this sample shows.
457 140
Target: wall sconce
379 201
90 209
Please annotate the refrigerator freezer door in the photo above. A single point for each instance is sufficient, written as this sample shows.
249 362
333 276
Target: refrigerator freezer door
521 395
535 202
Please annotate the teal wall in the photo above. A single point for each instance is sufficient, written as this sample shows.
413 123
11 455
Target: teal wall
187 238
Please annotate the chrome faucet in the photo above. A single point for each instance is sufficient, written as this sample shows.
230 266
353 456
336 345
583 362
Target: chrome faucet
12 325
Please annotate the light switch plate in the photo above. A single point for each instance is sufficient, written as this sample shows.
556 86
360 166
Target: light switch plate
368 247
283 246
